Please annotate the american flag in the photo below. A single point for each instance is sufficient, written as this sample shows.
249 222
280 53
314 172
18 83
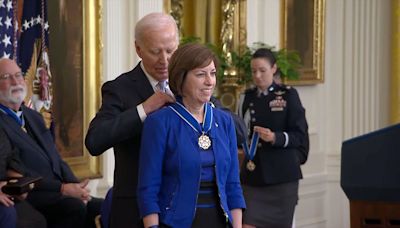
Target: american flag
34 29
8 29
27 44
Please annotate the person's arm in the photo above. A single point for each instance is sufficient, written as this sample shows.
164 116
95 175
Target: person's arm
152 150
15 167
150 220
9 157
237 218
66 172
296 135
234 193
113 123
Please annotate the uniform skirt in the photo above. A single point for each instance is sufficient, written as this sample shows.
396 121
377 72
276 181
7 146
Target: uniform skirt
270 206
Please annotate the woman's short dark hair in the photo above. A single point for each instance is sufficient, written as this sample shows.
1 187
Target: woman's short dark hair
266 54
186 58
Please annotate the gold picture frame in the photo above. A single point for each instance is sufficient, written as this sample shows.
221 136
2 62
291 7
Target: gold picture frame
76 65
216 21
303 30
224 26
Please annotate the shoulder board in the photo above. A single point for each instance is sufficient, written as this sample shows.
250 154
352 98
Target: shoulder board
280 92
250 90
283 87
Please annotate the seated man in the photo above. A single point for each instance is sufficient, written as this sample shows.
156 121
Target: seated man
60 197
14 210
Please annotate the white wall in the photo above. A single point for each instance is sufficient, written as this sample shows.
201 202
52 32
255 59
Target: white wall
351 101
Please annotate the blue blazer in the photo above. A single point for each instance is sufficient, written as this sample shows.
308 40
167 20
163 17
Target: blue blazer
170 167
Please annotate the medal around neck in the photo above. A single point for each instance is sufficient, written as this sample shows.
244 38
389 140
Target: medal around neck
250 165
204 141
250 153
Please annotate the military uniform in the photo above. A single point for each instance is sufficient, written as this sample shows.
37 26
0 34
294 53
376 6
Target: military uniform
277 166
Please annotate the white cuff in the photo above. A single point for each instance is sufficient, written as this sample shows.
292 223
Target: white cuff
286 139
141 112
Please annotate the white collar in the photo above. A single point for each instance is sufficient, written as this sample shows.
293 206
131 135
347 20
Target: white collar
152 80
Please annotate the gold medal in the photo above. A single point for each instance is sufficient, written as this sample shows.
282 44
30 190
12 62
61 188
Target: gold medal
250 165
204 142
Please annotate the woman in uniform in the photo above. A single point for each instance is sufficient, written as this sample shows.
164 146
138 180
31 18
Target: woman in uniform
279 144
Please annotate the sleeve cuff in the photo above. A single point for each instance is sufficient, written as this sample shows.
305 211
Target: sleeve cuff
141 112
286 139
281 139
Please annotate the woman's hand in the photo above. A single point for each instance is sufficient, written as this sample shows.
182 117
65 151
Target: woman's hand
150 220
265 134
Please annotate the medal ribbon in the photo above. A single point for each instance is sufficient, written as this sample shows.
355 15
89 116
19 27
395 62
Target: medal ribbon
182 112
13 115
250 153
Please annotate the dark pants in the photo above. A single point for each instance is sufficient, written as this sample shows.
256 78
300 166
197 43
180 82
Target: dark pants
21 215
71 212
125 213
8 217
209 217
29 217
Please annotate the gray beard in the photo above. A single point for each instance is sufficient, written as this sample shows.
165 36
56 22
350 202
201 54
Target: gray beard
8 98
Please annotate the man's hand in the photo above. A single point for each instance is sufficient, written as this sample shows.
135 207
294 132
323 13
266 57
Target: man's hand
156 101
77 190
265 134
13 173
5 199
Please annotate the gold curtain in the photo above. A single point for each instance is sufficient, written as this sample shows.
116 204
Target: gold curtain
395 72
202 22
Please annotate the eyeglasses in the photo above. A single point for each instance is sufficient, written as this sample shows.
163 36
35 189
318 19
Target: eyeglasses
17 76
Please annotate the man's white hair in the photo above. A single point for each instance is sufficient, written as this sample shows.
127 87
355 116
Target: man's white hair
154 21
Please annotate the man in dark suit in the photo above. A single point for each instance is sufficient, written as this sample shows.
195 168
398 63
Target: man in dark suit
59 196
126 101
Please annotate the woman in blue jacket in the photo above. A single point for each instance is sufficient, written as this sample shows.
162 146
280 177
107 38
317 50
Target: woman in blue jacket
188 172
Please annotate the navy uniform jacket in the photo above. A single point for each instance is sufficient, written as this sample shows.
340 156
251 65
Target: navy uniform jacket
282 112
39 156
170 167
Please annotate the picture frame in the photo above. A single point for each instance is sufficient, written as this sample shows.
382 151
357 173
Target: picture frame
303 30
75 53
226 28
